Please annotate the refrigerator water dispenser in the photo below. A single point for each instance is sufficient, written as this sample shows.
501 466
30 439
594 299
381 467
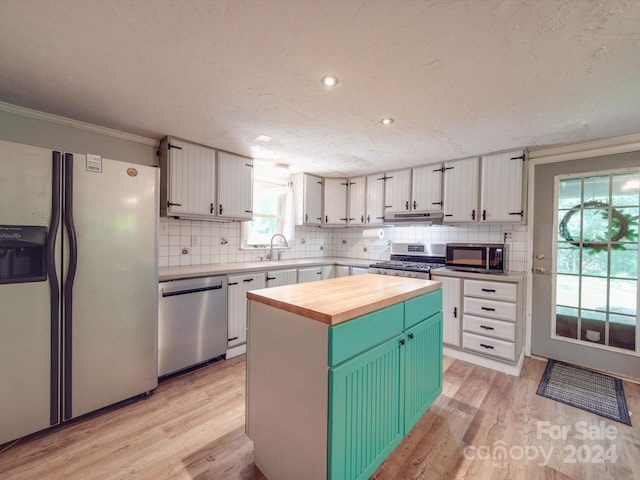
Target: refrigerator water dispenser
22 254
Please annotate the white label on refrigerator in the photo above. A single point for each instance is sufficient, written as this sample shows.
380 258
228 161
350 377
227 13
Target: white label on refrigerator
94 163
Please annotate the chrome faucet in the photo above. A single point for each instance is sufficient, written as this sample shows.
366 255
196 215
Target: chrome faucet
286 244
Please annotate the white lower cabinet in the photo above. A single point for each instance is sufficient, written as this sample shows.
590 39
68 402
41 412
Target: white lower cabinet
483 316
310 274
451 311
328 271
237 288
359 270
342 271
279 278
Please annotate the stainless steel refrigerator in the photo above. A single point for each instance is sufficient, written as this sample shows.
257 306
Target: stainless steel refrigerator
78 285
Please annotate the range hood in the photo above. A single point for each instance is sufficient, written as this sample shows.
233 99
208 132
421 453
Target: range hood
423 218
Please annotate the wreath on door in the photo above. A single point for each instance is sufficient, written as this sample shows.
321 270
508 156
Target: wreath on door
620 227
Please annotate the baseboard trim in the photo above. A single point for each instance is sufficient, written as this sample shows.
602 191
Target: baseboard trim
509 369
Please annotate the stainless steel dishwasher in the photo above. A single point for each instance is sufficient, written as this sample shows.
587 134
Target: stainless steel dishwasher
192 322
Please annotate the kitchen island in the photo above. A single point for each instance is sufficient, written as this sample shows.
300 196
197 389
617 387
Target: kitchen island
339 371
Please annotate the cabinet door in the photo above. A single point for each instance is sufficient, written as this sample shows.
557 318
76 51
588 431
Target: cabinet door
237 289
191 180
310 274
359 270
282 277
312 200
335 201
461 190
342 271
357 200
501 187
397 191
235 186
365 407
426 188
451 309
375 199
422 367
328 271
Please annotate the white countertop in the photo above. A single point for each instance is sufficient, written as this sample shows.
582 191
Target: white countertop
510 277
192 271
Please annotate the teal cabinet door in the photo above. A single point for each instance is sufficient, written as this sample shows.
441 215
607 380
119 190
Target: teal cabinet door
422 368
366 419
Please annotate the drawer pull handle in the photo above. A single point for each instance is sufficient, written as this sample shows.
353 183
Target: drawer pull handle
489 290
486 346
248 280
486 328
488 309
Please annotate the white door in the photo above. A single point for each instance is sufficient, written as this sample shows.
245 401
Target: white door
26 320
359 270
342 271
328 271
237 288
375 199
461 190
397 191
501 198
357 200
426 188
335 201
235 186
451 309
279 278
192 180
309 274
585 258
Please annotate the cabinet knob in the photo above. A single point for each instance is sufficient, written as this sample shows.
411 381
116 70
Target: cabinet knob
411 336
402 341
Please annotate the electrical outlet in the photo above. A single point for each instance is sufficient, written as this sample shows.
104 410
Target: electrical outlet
195 240
321 247
185 250
364 249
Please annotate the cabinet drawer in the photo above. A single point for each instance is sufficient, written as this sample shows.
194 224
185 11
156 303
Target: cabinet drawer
354 336
494 290
490 308
487 326
490 346
424 306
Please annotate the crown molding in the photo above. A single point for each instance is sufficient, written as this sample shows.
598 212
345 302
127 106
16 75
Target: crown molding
68 122
594 148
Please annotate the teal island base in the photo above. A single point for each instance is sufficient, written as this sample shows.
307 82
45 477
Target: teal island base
333 401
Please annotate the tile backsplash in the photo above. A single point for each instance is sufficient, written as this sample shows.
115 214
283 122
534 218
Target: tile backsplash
192 242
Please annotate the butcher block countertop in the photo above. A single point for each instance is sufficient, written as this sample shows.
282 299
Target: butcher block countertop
337 300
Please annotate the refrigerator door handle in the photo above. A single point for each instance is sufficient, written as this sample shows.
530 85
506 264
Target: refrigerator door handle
54 288
68 283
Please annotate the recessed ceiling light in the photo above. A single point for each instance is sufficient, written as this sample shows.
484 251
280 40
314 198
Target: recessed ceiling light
263 138
329 81
386 121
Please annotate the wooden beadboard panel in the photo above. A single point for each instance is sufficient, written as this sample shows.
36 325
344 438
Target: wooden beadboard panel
339 299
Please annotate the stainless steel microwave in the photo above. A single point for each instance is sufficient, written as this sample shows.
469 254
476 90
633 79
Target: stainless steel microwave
477 257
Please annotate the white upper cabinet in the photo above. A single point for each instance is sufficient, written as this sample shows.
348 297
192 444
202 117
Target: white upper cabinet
501 192
426 188
375 199
199 183
461 190
335 201
357 200
307 190
188 179
235 186
397 191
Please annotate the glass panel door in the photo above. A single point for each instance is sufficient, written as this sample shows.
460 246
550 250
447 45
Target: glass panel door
596 258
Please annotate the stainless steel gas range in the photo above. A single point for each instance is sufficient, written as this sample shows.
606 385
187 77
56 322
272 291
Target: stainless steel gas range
415 260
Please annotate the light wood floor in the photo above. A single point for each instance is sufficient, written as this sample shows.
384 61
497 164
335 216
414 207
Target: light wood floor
192 427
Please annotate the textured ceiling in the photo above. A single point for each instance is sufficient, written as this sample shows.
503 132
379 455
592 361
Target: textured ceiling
460 78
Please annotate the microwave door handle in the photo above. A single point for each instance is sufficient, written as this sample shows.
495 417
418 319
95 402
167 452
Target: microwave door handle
487 263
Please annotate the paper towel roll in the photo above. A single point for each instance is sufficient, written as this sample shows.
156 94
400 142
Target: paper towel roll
373 233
